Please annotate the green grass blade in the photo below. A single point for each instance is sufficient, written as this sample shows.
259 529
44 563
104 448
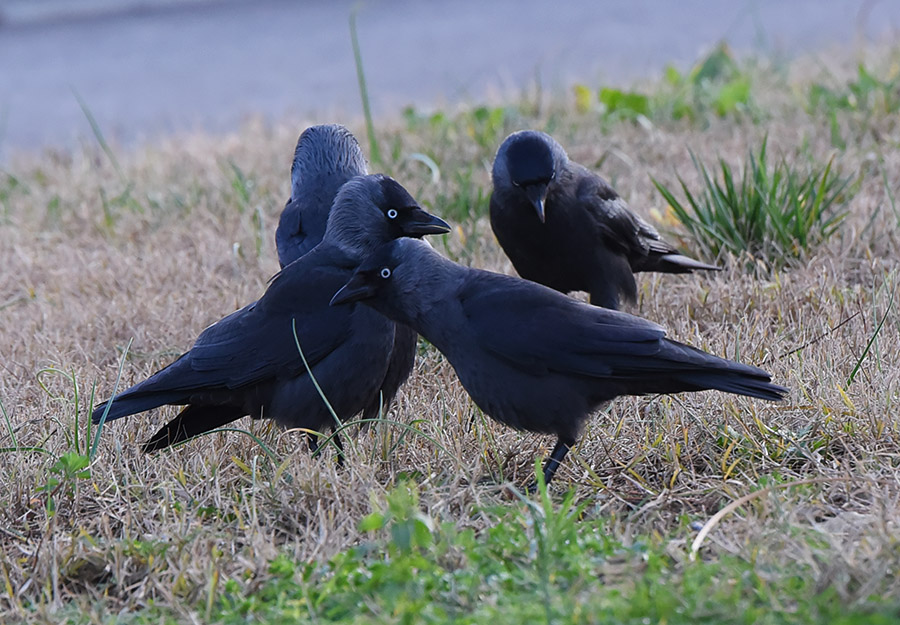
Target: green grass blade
337 420
9 427
115 391
98 134
872 339
374 151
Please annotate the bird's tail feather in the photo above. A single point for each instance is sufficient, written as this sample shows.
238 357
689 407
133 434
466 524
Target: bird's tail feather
172 384
190 422
737 383
679 367
124 405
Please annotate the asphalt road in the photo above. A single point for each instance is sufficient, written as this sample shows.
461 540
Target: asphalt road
148 71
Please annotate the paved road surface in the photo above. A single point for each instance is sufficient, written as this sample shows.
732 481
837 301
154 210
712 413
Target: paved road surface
207 65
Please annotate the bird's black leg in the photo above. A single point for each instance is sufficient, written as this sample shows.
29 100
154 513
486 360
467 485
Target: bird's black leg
553 461
313 441
556 457
339 443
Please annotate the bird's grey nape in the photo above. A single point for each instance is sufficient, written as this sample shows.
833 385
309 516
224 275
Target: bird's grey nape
356 223
326 149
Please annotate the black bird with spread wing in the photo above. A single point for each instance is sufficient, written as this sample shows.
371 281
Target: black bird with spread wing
248 363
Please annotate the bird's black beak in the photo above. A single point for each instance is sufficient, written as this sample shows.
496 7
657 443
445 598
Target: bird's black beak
537 193
418 222
357 289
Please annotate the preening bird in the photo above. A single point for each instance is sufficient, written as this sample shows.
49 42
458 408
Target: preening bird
530 357
248 363
563 226
326 157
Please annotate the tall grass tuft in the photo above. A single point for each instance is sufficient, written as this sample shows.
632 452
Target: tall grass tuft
775 213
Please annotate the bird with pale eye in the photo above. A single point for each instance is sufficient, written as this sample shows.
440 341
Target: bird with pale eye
248 363
530 357
328 156
563 226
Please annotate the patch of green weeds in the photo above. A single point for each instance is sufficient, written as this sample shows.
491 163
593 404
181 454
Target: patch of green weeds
10 187
866 96
716 85
68 470
113 205
465 200
624 104
241 186
774 212
539 561
486 125
69 466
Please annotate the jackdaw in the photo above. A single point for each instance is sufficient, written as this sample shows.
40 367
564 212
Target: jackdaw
563 226
326 157
530 357
248 363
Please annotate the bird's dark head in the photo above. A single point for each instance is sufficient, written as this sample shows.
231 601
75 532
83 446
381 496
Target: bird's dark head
527 163
371 210
394 279
404 215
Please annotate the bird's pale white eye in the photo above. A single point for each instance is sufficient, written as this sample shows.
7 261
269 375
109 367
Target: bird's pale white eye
392 214
385 272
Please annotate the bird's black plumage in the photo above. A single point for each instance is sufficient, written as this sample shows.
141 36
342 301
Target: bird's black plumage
563 226
529 356
248 362
326 156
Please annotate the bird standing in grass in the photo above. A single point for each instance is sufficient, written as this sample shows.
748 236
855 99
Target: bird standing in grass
563 226
249 364
326 157
530 357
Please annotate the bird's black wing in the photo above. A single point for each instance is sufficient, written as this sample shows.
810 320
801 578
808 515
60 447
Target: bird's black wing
537 329
257 341
253 344
289 235
540 331
620 228
305 217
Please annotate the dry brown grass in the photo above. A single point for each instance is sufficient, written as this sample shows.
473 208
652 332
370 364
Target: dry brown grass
78 283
